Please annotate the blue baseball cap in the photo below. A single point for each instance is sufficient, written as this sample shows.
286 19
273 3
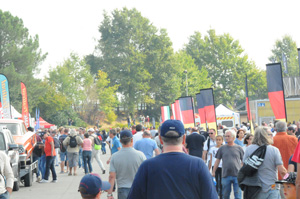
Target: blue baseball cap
125 133
172 125
91 184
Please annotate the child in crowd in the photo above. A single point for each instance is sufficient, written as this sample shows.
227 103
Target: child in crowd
212 153
289 187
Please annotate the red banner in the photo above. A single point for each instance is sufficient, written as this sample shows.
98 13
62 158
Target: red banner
25 112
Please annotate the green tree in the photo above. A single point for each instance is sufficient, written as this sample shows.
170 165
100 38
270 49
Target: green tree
225 62
288 47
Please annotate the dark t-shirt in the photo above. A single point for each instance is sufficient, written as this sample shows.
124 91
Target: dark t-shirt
292 162
194 143
173 175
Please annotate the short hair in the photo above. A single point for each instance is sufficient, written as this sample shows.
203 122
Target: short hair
86 135
172 138
233 133
247 138
281 126
125 140
147 133
139 127
213 129
219 136
66 130
118 130
261 137
113 131
238 132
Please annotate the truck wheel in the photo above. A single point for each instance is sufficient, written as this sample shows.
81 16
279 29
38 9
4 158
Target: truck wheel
17 183
28 179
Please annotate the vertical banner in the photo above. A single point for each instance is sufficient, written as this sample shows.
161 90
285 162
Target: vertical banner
187 111
209 107
25 111
37 119
299 59
5 100
173 111
248 107
1 111
275 91
165 113
201 111
177 111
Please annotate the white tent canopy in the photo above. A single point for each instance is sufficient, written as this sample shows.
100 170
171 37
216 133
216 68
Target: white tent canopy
15 113
223 110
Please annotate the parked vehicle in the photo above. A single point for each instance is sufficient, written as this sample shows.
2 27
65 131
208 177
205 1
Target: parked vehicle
26 141
227 117
8 145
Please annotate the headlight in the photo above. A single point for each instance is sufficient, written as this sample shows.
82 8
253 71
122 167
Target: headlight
21 149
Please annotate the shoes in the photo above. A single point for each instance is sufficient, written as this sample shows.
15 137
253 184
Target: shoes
54 181
38 179
75 174
103 172
56 165
69 174
62 172
44 181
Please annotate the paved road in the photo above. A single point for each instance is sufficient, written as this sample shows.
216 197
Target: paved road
65 188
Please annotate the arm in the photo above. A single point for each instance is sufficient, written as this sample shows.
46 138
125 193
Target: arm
210 161
281 170
204 156
52 148
9 175
156 152
215 167
291 168
111 179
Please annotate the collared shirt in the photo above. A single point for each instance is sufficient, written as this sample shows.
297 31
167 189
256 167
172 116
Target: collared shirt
115 145
137 136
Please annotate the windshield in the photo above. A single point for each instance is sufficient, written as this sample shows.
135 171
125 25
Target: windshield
14 128
2 142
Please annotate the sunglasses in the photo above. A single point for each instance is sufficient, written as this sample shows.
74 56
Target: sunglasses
210 133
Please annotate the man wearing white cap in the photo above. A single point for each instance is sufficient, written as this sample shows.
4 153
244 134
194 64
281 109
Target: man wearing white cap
96 153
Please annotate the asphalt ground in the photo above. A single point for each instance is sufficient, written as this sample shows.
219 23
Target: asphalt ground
65 188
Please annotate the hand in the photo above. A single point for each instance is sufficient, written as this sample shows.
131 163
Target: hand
9 190
52 154
213 174
108 161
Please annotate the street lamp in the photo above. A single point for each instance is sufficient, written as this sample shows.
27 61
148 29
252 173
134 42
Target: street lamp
185 71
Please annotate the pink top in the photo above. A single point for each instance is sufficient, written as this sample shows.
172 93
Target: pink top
87 144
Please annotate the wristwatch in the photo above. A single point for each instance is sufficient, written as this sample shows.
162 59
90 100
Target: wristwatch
109 194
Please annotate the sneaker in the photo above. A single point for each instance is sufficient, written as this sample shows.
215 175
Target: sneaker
38 179
54 181
62 172
103 172
44 181
69 174
75 174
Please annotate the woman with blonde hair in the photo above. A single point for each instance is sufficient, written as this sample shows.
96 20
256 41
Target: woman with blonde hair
267 172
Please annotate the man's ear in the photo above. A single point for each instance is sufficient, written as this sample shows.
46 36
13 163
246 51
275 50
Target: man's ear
183 140
160 139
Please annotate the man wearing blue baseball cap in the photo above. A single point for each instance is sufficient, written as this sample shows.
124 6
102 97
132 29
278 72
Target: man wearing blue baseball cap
173 174
91 186
124 165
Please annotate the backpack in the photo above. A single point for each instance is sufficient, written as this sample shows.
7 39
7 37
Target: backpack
62 147
56 143
73 142
98 143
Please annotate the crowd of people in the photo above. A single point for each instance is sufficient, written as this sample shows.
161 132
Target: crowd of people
173 162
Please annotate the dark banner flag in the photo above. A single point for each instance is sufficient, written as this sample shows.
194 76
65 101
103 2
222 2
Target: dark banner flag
5 100
209 107
177 111
201 111
248 107
275 91
25 111
187 111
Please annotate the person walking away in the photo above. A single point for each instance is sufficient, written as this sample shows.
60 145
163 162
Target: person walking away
240 137
6 176
153 131
173 174
104 136
37 154
73 143
87 154
50 158
286 145
91 186
209 143
231 155
147 145
267 171
194 143
63 151
139 133
212 159
95 151
124 165
56 146
81 135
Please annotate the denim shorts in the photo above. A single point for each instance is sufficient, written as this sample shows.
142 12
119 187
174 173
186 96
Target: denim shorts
4 195
63 156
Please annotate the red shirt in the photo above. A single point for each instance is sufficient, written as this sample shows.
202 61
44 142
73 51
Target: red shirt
48 140
133 132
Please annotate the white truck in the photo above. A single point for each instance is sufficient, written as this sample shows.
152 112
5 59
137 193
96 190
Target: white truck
227 117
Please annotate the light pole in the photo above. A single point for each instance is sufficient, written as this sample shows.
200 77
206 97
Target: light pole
185 71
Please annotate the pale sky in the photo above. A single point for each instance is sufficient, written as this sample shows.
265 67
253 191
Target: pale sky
72 26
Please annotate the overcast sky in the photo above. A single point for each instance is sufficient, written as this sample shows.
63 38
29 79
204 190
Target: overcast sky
66 26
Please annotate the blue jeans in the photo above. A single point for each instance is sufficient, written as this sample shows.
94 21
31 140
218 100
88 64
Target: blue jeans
103 149
42 165
50 166
4 195
80 157
87 156
123 193
63 156
272 194
226 186
35 158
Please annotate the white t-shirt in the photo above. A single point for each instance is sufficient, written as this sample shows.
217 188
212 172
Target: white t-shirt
212 144
213 151
137 136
